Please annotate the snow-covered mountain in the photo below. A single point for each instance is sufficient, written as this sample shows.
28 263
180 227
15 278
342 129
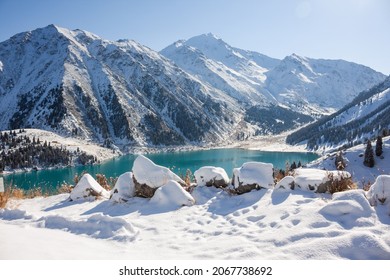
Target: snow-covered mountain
59 80
238 73
197 91
319 83
306 85
364 118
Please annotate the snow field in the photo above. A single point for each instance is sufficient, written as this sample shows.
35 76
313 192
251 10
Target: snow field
209 223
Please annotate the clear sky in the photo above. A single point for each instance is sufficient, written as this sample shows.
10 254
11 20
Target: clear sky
354 30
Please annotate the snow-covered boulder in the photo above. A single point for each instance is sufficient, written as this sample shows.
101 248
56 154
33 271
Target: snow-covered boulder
253 175
287 183
124 188
149 176
317 180
88 187
380 190
211 176
172 195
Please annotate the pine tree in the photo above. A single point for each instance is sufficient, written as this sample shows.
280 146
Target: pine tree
339 161
378 146
293 166
369 160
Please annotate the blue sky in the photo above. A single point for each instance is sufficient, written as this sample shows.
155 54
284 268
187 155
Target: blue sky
354 30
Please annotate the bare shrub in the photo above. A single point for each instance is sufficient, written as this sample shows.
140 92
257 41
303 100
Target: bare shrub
102 180
339 184
65 188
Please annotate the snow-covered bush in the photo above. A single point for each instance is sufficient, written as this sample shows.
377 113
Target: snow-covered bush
253 175
149 176
88 187
380 190
172 195
320 180
287 183
124 188
211 176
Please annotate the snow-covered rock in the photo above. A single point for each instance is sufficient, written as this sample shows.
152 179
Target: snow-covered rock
149 176
124 188
172 195
380 190
88 187
316 180
287 183
253 175
211 176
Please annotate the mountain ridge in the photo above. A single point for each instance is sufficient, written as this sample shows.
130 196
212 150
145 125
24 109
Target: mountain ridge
367 116
311 86
123 93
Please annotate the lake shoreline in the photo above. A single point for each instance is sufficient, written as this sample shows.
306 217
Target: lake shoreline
269 143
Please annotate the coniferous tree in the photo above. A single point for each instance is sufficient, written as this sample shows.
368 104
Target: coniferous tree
369 160
293 166
339 161
378 146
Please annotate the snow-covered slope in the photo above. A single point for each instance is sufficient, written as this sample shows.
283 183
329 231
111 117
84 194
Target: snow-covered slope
266 224
123 93
237 72
299 81
353 157
365 117
311 86
56 79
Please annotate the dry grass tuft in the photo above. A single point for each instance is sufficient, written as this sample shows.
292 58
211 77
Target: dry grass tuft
65 188
10 192
103 181
340 184
279 174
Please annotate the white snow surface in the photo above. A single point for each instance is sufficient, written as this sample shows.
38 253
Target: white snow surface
254 173
380 190
262 224
207 174
171 196
353 157
124 188
87 187
147 172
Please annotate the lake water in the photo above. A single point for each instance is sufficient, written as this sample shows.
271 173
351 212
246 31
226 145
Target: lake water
179 162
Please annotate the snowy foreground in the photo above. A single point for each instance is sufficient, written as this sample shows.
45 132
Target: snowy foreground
273 223
265 224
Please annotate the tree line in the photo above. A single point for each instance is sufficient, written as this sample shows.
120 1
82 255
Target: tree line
21 151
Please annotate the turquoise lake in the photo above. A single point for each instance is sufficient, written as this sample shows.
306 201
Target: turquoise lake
179 162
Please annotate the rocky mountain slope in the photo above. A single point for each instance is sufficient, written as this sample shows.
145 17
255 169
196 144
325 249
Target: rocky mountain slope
365 117
125 94
305 85
61 80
